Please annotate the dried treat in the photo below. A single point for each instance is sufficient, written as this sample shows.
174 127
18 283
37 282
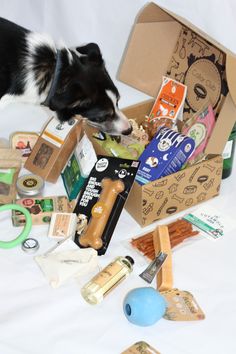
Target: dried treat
179 230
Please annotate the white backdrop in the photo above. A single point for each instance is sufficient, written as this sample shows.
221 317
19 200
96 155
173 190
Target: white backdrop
36 319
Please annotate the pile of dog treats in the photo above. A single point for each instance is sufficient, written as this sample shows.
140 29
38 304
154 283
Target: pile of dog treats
179 230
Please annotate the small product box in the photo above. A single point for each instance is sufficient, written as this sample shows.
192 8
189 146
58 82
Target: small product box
78 167
53 149
24 142
41 209
166 154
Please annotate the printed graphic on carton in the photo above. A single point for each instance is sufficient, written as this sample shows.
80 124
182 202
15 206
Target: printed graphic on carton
158 200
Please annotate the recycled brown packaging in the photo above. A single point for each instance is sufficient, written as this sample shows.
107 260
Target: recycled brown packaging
9 160
162 43
53 149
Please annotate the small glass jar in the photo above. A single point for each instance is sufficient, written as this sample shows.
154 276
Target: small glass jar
106 280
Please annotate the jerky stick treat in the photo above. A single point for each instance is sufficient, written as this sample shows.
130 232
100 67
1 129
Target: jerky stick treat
179 230
161 241
101 212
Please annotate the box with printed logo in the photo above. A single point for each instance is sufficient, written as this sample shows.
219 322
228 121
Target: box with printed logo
53 149
164 44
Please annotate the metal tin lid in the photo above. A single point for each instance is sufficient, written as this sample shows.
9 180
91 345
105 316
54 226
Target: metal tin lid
30 245
30 185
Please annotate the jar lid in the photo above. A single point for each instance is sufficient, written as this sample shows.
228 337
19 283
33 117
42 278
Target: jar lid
30 185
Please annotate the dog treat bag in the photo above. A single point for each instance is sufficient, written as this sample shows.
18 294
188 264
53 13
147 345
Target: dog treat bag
169 104
10 164
199 128
102 200
166 154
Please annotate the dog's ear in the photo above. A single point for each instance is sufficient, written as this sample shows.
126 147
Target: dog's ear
93 53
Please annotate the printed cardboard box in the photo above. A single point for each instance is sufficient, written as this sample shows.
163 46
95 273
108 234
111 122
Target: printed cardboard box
163 43
41 209
53 149
174 193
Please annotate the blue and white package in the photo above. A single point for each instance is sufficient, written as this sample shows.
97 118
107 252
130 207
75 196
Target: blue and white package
166 154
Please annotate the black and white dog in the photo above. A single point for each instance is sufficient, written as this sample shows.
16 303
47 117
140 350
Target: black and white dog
68 81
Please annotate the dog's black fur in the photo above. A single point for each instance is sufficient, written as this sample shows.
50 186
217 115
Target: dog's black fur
69 81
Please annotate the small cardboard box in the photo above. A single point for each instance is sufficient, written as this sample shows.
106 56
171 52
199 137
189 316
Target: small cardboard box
41 209
163 43
53 149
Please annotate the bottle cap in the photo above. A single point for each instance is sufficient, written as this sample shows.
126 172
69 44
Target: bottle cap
130 259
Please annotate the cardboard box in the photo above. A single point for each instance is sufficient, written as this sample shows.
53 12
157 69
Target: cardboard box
163 43
53 149
41 209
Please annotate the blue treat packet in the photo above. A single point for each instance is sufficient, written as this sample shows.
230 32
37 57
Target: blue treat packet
166 154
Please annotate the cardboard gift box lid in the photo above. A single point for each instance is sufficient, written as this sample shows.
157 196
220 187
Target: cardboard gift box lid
148 54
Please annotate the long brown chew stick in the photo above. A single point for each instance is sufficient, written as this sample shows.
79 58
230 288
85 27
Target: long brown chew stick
161 241
101 212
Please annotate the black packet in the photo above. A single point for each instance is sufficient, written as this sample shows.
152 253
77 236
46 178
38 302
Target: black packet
114 169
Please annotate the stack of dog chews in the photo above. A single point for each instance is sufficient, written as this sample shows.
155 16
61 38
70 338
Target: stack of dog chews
163 164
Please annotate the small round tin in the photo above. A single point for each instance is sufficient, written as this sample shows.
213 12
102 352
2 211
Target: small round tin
30 245
29 185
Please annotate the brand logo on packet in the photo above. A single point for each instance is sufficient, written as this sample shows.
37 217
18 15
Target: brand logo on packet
101 165
28 202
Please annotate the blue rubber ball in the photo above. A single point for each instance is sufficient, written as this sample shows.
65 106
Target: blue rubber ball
144 306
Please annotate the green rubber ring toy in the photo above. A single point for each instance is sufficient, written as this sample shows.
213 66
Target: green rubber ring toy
24 234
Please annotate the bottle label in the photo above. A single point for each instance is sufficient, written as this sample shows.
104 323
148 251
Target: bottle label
227 150
110 277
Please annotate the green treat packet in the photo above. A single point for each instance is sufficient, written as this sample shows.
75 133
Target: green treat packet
7 175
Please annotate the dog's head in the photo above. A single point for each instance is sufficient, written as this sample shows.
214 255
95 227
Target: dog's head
85 87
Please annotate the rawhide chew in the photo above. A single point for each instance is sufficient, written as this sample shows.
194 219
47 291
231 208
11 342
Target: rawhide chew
161 241
101 212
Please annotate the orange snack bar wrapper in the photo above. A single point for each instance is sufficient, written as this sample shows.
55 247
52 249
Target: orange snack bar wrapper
169 103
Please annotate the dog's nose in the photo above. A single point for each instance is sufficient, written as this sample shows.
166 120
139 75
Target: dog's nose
127 131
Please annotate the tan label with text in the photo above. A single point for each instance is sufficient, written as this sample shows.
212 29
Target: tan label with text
181 306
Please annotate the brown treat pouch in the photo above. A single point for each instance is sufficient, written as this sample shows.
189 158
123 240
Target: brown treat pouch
102 200
182 306
140 348
10 164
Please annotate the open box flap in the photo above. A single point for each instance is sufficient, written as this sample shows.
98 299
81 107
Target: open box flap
153 13
231 74
148 55
222 129
151 46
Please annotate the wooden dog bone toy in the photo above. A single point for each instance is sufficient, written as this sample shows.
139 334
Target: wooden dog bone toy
101 212
161 241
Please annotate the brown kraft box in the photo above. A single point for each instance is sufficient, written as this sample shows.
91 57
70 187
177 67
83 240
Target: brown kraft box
53 149
162 43
41 209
